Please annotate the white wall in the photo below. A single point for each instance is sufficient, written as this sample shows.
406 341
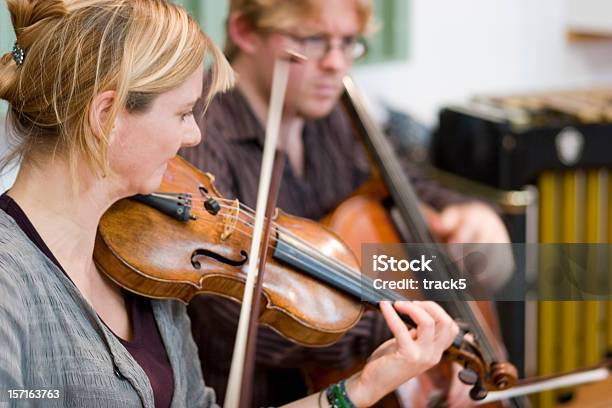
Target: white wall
7 178
460 48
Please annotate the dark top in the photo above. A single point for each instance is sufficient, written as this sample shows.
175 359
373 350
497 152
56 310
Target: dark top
335 164
147 346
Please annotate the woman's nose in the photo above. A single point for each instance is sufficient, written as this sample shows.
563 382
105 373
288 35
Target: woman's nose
193 137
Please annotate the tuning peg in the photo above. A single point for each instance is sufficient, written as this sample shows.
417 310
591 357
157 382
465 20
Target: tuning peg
478 393
468 376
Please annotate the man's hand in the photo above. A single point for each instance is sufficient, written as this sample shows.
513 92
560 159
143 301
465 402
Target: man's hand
476 224
471 222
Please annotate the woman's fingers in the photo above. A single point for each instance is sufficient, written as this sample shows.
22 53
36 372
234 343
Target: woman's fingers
446 328
434 333
425 323
436 311
396 324
411 351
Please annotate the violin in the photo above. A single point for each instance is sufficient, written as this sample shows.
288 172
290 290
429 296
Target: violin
149 250
187 239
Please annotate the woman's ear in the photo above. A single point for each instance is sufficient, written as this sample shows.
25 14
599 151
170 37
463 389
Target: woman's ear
99 113
242 33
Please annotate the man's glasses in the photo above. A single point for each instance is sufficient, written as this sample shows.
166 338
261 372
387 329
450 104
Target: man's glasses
316 47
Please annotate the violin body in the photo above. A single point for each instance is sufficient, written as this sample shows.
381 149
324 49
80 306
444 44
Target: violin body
147 252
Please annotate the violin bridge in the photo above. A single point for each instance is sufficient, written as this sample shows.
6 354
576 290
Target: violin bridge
230 219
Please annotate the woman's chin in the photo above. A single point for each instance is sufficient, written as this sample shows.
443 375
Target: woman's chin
152 185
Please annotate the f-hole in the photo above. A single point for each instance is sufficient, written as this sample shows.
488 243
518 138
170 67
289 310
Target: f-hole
219 258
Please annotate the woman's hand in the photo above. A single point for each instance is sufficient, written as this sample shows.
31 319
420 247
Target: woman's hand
410 353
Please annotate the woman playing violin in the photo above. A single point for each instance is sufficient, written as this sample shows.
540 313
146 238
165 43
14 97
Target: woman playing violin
100 97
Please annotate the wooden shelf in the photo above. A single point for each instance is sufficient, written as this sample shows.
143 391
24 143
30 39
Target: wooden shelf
589 20
575 36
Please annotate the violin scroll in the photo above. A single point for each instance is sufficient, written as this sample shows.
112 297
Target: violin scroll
476 372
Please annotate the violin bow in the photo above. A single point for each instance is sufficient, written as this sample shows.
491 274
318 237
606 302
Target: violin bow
385 162
239 384
529 386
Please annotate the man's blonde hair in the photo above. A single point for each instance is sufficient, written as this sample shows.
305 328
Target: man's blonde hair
285 14
76 49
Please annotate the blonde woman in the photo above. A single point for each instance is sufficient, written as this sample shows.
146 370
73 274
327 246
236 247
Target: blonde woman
101 94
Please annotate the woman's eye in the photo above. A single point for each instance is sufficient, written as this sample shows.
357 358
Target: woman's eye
186 115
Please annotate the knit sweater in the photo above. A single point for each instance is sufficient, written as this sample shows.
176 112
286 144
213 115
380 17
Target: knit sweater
52 339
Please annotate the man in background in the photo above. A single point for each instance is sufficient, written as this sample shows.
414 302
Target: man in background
325 163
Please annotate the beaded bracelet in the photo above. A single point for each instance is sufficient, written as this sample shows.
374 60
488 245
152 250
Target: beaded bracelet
337 396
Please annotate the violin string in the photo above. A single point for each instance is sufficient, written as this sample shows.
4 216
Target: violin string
364 280
347 274
248 212
364 292
465 310
313 250
367 287
354 277
338 264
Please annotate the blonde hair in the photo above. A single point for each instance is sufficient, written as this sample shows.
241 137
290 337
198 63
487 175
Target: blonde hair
76 49
285 14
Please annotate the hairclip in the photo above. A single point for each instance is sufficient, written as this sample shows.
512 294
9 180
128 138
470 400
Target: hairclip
18 54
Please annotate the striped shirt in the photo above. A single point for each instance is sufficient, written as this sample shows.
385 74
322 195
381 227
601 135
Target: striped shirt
335 164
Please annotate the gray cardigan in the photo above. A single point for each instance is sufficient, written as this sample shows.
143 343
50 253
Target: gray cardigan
51 338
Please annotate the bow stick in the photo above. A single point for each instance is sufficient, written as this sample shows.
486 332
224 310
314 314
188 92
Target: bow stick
528 386
239 383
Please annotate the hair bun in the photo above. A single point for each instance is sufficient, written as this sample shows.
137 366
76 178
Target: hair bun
30 16
8 77
29 19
